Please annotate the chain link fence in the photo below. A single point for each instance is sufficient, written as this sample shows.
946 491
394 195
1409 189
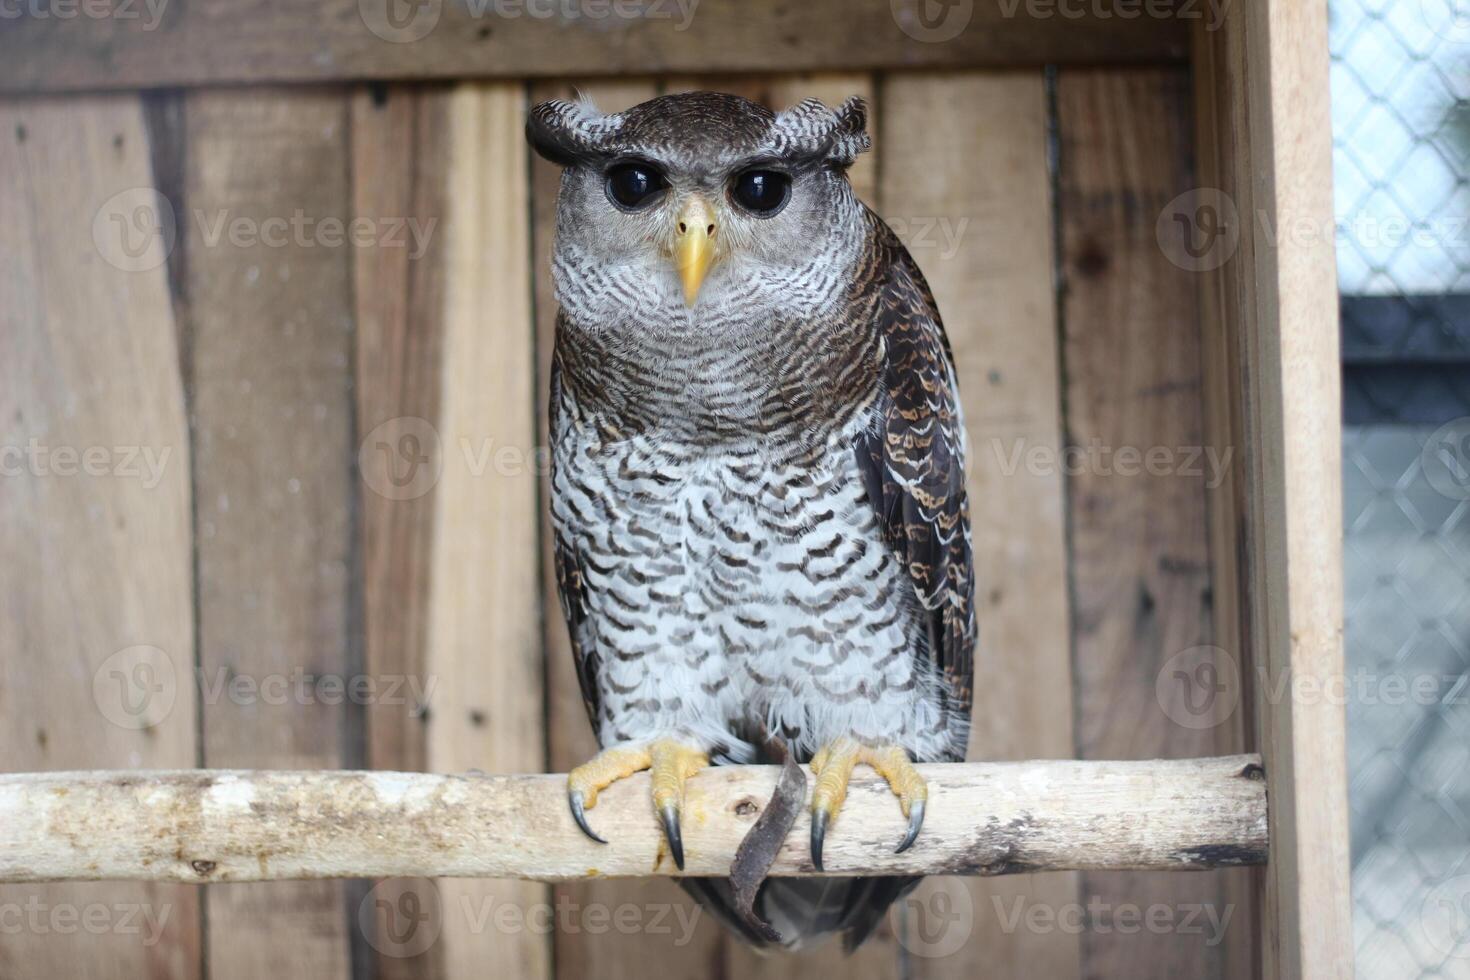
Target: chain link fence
1401 123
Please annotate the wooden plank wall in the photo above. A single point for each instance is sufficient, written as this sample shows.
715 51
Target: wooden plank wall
358 491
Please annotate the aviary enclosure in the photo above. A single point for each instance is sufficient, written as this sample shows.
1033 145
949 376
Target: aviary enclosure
274 331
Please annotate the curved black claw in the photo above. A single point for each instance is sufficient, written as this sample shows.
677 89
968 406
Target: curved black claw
819 833
916 820
574 800
670 815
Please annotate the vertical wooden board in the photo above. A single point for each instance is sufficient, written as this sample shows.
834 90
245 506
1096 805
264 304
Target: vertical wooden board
965 181
693 944
1226 503
98 547
1263 80
1137 483
484 651
399 151
399 181
271 337
1133 382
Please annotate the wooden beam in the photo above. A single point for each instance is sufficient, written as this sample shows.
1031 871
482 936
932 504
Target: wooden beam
984 819
1262 92
210 42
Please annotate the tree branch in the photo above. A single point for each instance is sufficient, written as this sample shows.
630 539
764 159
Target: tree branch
983 818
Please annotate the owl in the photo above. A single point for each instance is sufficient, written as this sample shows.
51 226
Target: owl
758 489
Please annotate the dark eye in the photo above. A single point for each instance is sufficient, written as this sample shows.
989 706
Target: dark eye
762 192
633 186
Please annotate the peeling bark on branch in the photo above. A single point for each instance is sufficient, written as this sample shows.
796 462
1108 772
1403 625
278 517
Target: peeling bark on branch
983 818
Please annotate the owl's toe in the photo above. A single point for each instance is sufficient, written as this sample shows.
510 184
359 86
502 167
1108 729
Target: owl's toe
893 764
833 766
596 775
673 763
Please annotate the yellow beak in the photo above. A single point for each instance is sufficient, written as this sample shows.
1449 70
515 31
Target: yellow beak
694 247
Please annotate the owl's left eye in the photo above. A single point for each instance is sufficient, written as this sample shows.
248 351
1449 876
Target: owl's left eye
633 186
761 192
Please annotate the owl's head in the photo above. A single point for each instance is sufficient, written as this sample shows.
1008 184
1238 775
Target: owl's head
704 194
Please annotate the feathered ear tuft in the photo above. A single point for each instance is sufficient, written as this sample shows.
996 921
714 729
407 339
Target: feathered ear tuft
568 132
852 127
809 127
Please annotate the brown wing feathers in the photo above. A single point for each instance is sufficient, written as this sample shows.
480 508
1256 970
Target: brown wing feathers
913 463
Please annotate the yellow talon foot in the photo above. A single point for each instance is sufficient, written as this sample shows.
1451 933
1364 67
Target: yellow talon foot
671 762
597 774
833 765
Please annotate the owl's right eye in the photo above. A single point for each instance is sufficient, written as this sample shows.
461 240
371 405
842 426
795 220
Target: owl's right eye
634 186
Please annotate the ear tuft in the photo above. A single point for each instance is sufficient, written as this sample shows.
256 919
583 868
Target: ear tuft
852 128
809 127
568 132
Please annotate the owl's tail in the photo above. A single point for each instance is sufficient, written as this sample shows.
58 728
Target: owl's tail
805 910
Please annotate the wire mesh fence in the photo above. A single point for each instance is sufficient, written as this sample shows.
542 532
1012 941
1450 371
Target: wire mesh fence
1401 121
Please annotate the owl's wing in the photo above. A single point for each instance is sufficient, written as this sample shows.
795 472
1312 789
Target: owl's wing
570 583
912 459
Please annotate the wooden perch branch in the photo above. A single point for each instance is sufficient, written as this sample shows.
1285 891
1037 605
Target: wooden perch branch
983 818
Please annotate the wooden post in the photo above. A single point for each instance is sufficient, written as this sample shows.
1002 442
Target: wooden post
1271 316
